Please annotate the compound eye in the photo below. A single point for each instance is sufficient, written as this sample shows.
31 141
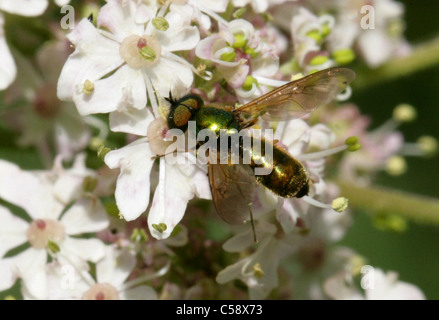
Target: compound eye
181 116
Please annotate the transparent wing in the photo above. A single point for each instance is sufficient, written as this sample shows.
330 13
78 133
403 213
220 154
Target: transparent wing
232 189
297 98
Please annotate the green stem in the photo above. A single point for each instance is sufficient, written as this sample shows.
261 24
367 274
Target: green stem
423 56
417 208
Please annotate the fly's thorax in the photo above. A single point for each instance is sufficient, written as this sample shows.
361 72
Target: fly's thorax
183 110
278 171
215 118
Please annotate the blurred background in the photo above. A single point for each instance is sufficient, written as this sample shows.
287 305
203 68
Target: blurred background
414 252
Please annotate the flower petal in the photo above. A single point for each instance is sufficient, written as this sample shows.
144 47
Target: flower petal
86 249
31 268
123 89
24 7
169 74
260 6
7 276
118 18
388 287
8 70
133 121
337 288
68 187
170 200
94 57
28 191
64 282
61 3
180 35
115 267
12 231
267 257
372 39
86 215
216 5
266 66
133 184
177 185
295 136
72 134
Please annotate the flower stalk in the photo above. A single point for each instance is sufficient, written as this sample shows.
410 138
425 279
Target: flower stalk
419 209
423 56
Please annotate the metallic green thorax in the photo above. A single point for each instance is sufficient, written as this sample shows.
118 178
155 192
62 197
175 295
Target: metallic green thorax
287 178
215 118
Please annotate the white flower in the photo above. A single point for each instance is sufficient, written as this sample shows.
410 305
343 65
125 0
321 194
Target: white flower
241 56
377 286
307 32
24 8
388 17
43 120
258 6
44 196
369 25
112 274
27 8
8 70
178 183
259 270
200 10
115 71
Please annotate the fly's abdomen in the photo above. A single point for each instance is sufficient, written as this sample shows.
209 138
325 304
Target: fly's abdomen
280 172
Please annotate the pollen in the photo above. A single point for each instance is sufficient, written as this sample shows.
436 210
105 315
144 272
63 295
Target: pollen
340 204
88 88
404 113
396 166
257 271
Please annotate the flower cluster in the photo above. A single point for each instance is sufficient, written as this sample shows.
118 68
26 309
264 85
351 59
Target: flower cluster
111 218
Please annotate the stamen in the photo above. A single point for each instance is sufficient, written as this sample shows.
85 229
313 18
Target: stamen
404 113
97 124
160 23
339 204
316 203
351 144
424 147
162 191
389 126
213 15
88 87
258 271
102 151
140 280
428 145
396 166
321 154
161 227
269 82
152 98
208 75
